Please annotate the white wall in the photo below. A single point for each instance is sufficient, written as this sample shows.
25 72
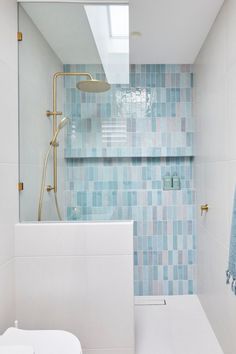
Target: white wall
79 1
78 277
8 157
215 110
37 64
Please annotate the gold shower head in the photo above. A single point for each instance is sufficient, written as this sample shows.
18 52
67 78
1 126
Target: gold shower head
92 85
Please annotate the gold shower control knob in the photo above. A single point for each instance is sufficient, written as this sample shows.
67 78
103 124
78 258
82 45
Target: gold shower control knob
204 208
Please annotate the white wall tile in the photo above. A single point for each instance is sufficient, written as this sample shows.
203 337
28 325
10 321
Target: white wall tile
8 30
49 240
92 297
230 123
7 305
110 302
217 299
217 221
8 157
9 115
51 294
215 167
96 238
8 210
67 284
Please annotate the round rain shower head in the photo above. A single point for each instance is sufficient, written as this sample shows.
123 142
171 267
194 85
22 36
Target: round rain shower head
93 86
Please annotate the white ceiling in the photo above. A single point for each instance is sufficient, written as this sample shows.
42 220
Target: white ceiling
66 28
173 31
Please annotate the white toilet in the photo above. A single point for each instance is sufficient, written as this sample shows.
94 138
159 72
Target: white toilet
40 342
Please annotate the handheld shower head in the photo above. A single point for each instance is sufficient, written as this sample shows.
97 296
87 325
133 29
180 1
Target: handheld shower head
61 125
63 122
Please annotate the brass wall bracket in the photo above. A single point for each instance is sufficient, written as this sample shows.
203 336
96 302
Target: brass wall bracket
49 188
54 144
49 113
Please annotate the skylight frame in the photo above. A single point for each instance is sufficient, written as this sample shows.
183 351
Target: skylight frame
111 29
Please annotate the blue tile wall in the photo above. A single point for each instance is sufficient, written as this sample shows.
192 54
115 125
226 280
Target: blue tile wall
150 117
119 147
164 228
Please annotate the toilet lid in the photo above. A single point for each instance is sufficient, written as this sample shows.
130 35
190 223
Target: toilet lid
16 349
43 342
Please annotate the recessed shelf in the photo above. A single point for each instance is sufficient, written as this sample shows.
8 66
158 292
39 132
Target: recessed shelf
125 153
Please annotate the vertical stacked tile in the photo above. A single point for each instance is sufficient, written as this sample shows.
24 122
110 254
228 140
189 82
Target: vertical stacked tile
150 117
119 146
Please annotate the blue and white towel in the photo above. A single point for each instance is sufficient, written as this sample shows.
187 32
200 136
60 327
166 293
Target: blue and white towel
231 271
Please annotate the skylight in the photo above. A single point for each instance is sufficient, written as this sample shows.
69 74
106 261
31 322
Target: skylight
119 21
110 28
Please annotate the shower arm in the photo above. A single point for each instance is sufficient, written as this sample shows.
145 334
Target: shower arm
54 113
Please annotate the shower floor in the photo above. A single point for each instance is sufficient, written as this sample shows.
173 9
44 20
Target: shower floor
180 327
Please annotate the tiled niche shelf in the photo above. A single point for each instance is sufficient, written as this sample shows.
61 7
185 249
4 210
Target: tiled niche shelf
125 153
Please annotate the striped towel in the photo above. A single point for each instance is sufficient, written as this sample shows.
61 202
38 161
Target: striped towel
231 271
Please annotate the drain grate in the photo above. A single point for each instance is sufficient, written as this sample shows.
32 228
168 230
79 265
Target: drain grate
149 301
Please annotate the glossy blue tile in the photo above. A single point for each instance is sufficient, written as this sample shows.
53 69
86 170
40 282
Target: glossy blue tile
110 180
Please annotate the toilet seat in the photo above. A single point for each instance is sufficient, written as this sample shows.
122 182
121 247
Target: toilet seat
43 341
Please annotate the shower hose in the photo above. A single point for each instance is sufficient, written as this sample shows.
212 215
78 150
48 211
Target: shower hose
42 188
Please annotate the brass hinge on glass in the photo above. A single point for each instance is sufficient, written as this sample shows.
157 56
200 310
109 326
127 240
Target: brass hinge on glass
204 208
20 186
19 36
